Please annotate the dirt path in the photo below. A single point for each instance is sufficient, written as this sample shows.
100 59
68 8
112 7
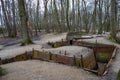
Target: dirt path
40 70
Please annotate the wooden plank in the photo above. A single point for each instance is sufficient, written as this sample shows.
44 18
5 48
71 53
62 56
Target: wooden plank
78 62
21 57
82 63
30 55
102 68
46 56
54 57
114 53
42 55
36 54
65 60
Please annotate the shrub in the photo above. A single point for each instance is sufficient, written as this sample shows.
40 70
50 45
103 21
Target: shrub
2 71
118 76
112 39
103 57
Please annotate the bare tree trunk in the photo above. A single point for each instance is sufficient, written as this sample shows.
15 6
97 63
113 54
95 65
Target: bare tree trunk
73 15
106 16
112 19
62 15
100 17
24 19
57 17
85 17
45 15
94 25
67 15
79 17
6 19
14 22
37 18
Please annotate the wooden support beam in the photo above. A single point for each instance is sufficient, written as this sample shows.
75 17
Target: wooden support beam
82 63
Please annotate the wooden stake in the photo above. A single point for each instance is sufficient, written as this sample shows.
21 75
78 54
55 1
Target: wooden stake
62 42
26 55
50 56
32 53
0 61
65 52
59 52
74 58
82 63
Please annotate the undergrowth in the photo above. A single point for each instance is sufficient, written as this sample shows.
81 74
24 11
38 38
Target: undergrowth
2 71
118 76
112 39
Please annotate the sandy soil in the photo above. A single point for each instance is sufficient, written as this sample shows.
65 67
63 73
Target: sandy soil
1 47
9 53
40 70
52 37
71 51
102 40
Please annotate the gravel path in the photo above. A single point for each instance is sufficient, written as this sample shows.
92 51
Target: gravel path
40 70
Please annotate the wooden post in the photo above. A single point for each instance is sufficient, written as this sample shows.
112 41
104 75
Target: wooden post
82 63
74 60
62 42
94 53
59 52
26 54
65 52
0 61
32 53
55 57
50 56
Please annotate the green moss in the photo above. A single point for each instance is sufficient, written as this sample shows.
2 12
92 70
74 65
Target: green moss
57 44
112 39
118 76
2 71
83 33
103 56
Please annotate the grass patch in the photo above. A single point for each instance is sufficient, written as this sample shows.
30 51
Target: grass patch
112 39
118 76
2 71
103 55
83 33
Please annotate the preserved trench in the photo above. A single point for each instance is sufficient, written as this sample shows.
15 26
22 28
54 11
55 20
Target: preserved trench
25 57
